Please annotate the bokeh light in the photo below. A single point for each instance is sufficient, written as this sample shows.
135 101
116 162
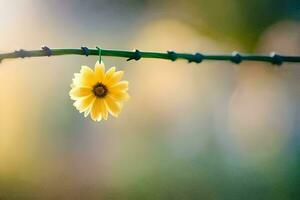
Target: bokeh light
213 130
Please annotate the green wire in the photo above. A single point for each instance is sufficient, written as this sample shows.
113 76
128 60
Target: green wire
170 55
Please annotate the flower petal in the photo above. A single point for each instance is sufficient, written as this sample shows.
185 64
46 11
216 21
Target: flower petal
75 80
120 86
113 106
100 71
109 74
79 92
87 77
86 69
76 104
104 109
115 78
96 110
84 103
120 96
87 111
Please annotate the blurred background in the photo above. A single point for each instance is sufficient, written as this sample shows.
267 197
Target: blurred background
213 130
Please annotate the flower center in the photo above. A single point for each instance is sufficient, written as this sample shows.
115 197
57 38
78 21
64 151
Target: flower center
100 90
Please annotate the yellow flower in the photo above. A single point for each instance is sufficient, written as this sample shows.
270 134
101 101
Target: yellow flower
97 93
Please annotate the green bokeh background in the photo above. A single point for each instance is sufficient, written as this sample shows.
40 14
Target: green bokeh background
209 131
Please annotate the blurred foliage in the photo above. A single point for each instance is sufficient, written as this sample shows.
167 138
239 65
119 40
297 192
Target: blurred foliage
242 21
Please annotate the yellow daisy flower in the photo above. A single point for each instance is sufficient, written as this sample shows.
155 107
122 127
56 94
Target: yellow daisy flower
97 93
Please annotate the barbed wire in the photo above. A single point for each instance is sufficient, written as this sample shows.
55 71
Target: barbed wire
235 57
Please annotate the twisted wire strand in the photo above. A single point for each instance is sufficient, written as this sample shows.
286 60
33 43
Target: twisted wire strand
235 57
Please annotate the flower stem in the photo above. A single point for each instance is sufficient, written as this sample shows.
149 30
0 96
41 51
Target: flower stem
170 55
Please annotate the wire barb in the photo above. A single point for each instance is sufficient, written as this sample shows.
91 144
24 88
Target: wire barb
85 51
135 56
47 51
236 57
172 55
276 59
197 58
